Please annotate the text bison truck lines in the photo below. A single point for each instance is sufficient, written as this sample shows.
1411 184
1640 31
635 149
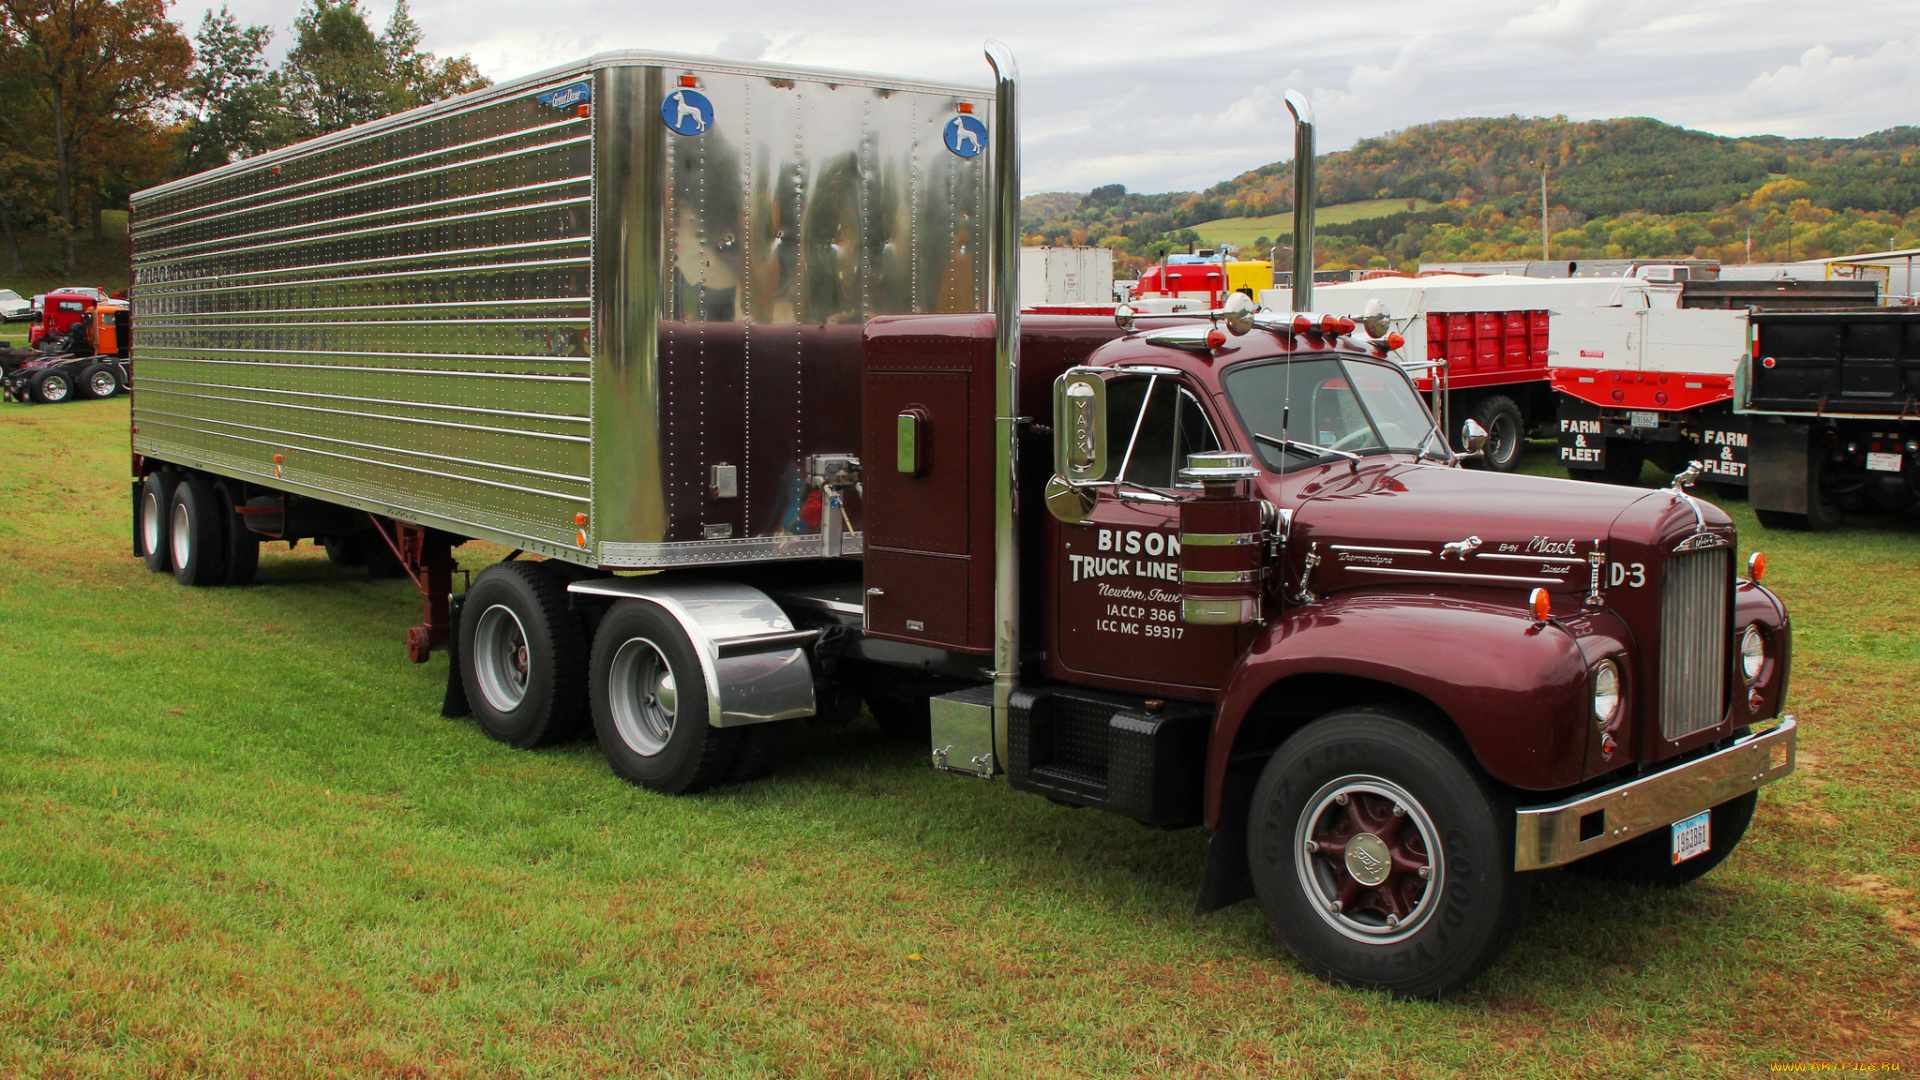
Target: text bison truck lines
1217 570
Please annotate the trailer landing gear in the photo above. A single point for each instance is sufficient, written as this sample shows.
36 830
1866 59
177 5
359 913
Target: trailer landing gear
426 556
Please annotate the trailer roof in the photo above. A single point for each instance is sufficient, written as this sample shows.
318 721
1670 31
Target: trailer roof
561 74
1497 292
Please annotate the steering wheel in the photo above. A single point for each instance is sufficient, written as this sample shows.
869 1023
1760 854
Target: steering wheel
1357 437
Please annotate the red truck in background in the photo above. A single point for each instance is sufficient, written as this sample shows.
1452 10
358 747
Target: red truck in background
61 311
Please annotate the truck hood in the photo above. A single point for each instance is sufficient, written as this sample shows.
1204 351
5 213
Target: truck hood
1409 523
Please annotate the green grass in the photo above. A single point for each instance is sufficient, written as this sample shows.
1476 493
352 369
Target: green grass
1243 231
237 839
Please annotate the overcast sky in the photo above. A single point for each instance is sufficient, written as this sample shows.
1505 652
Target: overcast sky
1171 96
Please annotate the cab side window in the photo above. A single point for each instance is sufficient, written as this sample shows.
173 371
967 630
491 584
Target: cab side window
1153 424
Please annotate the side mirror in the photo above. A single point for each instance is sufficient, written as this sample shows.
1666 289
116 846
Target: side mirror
1475 438
1079 444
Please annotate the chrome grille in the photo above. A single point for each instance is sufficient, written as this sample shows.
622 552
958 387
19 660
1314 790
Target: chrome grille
1693 641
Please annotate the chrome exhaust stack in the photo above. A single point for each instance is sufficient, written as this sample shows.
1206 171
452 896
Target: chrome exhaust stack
1006 395
1302 200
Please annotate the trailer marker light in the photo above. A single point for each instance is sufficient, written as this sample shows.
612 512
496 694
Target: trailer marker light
1542 605
581 538
966 107
579 519
1619 395
1768 362
1660 397
688 80
1756 566
584 110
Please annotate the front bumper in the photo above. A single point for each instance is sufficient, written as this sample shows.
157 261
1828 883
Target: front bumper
1563 832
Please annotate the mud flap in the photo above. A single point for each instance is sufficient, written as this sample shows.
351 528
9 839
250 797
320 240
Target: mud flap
1780 477
1227 879
456 700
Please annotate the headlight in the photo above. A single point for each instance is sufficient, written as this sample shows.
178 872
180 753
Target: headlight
1753 652
1606 692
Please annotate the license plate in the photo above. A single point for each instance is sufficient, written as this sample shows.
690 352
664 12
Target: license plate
1690 836
1643 419
1883 462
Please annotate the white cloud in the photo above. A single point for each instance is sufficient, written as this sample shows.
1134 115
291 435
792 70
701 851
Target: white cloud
1573 25
744 45
1822 79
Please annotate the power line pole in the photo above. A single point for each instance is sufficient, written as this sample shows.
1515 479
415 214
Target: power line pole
1546 254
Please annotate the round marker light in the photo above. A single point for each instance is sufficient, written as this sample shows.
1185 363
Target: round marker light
1346 325
1606 692
1394 341
1216 337
1541 603
1756 566
1329 324
1753 652
1302 324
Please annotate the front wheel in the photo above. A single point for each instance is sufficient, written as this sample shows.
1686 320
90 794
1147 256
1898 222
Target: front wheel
1380 859
1506 433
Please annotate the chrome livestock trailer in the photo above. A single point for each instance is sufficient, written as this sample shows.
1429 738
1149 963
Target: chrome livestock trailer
609 314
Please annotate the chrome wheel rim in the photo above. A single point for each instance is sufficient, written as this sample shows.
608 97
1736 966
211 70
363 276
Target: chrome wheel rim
54 388
500 658
642 696
1369 862
182 542
150 523
102 384
1504 440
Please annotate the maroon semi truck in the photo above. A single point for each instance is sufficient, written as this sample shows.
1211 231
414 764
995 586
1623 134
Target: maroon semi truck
1216 571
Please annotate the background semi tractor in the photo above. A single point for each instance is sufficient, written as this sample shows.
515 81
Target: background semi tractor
759 399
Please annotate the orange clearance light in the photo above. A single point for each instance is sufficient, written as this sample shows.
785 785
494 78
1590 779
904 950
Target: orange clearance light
1302 324
1394 341
581 538
1329 324
1542 604
1346 325
277 459
688 80
1216 337
583 110
966 106
579 519
1756 566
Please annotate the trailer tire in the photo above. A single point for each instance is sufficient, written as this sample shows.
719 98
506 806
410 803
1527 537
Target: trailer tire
1506 432
650 705
243 544
196 537
151 515
1648 860
521 655
1338 782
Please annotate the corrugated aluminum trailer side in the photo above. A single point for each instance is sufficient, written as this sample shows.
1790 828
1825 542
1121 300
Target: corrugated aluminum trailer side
607 313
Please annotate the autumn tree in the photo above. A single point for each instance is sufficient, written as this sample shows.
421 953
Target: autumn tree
231 102
339 73
87 70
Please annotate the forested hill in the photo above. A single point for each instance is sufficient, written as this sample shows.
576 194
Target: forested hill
1488 171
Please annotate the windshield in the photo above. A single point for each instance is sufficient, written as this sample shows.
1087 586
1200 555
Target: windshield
1327 405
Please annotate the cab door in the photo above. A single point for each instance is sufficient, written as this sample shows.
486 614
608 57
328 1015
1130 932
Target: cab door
1115 588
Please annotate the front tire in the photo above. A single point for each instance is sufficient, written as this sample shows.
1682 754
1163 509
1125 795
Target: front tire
650 704
522 651
1408 884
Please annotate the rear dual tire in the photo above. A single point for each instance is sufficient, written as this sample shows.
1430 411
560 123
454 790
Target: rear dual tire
522 648
651 709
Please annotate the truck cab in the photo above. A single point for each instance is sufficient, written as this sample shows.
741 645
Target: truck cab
60 312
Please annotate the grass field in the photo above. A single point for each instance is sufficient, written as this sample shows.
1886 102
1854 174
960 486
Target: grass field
237 839
1243 231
